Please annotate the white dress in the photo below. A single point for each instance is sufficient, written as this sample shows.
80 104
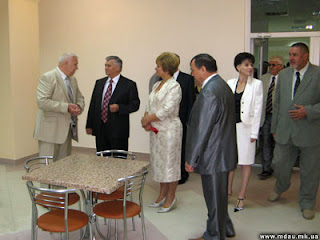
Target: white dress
250 114
165 146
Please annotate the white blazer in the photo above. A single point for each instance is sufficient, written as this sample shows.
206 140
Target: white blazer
251 103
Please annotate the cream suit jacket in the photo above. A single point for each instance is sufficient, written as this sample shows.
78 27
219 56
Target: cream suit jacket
53 119
251 103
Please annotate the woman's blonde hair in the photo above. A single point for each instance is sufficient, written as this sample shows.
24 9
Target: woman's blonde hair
169 62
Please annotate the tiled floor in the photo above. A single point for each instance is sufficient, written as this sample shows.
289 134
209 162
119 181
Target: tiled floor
187 220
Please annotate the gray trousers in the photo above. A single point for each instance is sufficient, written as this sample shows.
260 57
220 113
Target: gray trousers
215 191
284 159
267 144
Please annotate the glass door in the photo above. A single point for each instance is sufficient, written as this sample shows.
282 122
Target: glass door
266 47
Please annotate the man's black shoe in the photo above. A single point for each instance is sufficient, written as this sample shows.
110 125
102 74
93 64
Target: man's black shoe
230 231
264 175
182 181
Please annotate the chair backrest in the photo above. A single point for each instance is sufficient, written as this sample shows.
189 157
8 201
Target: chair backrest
133 184
37 162
117 154
49 198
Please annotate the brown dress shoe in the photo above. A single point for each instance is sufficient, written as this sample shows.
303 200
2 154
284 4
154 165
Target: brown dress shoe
196 238
308 214
274 197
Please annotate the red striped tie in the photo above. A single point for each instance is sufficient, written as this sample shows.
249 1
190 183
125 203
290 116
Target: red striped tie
107 96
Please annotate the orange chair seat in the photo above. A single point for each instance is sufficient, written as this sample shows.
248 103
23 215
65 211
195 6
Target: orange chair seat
114 209
118 194
53 221
72 199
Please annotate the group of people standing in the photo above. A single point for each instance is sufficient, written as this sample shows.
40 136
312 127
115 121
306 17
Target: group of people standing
208 135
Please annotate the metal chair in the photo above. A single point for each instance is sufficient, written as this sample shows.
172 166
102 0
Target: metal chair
117 154
41 161
37 162
126 207
58 218
118 194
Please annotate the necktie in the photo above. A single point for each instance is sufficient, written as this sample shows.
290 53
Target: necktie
107 96
296 85
69 89
269 97
74 119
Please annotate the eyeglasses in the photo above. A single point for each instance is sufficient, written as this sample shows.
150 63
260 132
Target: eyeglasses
273 65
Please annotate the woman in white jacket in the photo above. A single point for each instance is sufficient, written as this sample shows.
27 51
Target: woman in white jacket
248 101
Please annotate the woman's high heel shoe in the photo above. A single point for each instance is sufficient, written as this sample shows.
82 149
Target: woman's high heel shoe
240 204
168 209
157 205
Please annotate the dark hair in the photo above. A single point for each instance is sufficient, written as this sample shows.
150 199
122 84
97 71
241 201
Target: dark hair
116 59
241 57
205 60
303 47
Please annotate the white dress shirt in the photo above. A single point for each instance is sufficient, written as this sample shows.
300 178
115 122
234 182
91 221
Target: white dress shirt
294 78
106 85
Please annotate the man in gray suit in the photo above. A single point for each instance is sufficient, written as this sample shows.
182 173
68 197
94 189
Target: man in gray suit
296 128
269 80
60 102
211 148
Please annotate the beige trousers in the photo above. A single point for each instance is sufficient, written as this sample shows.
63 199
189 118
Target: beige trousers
58 151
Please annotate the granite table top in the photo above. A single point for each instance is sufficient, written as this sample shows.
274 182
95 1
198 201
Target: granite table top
87 172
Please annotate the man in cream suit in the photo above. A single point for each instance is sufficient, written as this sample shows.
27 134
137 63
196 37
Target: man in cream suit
211 148
269 80
59 103
296 128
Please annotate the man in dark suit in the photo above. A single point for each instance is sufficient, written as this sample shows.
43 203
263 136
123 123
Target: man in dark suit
188 97
113 99
296 128
269 80
211 147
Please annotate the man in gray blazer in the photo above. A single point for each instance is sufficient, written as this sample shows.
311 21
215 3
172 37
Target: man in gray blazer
269 80
59 103
296 128
211 148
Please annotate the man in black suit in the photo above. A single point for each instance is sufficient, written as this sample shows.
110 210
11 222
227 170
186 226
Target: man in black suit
188 96
113 99
186 82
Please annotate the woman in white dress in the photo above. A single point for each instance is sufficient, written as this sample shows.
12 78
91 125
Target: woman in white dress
248 101
162 120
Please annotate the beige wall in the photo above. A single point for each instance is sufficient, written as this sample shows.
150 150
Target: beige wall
6 123
138 31
21 68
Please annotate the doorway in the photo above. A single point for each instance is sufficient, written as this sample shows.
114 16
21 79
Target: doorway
265 48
